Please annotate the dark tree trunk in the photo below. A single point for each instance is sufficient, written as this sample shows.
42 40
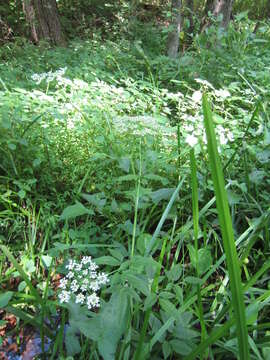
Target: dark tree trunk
43 19
174 35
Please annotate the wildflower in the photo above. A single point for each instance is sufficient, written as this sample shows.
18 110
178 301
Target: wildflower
93 301
70 275
102 279
63 283
64 296
82 283
94 286
80 298
71 265
191 140
74 286
93 274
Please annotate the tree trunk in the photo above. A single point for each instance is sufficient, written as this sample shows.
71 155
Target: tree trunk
217 7
224 8
174 35
43 19
190 8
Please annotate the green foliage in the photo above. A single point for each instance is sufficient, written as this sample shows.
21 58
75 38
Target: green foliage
96 160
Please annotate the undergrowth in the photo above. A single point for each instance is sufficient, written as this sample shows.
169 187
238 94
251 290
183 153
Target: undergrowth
95 160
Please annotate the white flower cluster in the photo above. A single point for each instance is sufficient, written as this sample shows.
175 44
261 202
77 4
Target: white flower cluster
49 76
82 283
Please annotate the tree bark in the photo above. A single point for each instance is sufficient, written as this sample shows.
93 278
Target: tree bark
174 35
224 8
190 8
43 19
217 7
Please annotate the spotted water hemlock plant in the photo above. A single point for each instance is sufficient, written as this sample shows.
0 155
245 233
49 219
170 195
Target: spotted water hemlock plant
82 283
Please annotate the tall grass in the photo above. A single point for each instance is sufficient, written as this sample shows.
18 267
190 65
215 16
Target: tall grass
227 233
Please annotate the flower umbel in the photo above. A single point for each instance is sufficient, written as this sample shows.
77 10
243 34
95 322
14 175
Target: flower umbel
82 283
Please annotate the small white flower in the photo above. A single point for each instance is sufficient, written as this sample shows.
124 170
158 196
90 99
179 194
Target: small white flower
93 301
78 267
102 279
93 266
85 272
86 260
197 96
80 299
71 265
94 286
63 283
93 275
70 275
191 140
64 296
74 286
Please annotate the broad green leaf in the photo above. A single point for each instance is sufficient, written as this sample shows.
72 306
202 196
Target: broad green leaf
161 194
174 273
5 299
107 260
46 261
180 347
97 200
74 211
72 342
150 301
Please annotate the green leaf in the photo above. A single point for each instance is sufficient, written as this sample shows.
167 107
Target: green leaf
5 298
204 260
142 242
180 347
107 260
113 322
22 273
161 194
150 301
193 280
166 349
22 286
174 273
46 261
74 211
72 342
124 164
22 194
138 282
97 200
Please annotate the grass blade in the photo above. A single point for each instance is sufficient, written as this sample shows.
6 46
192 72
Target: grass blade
227 233
163 218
